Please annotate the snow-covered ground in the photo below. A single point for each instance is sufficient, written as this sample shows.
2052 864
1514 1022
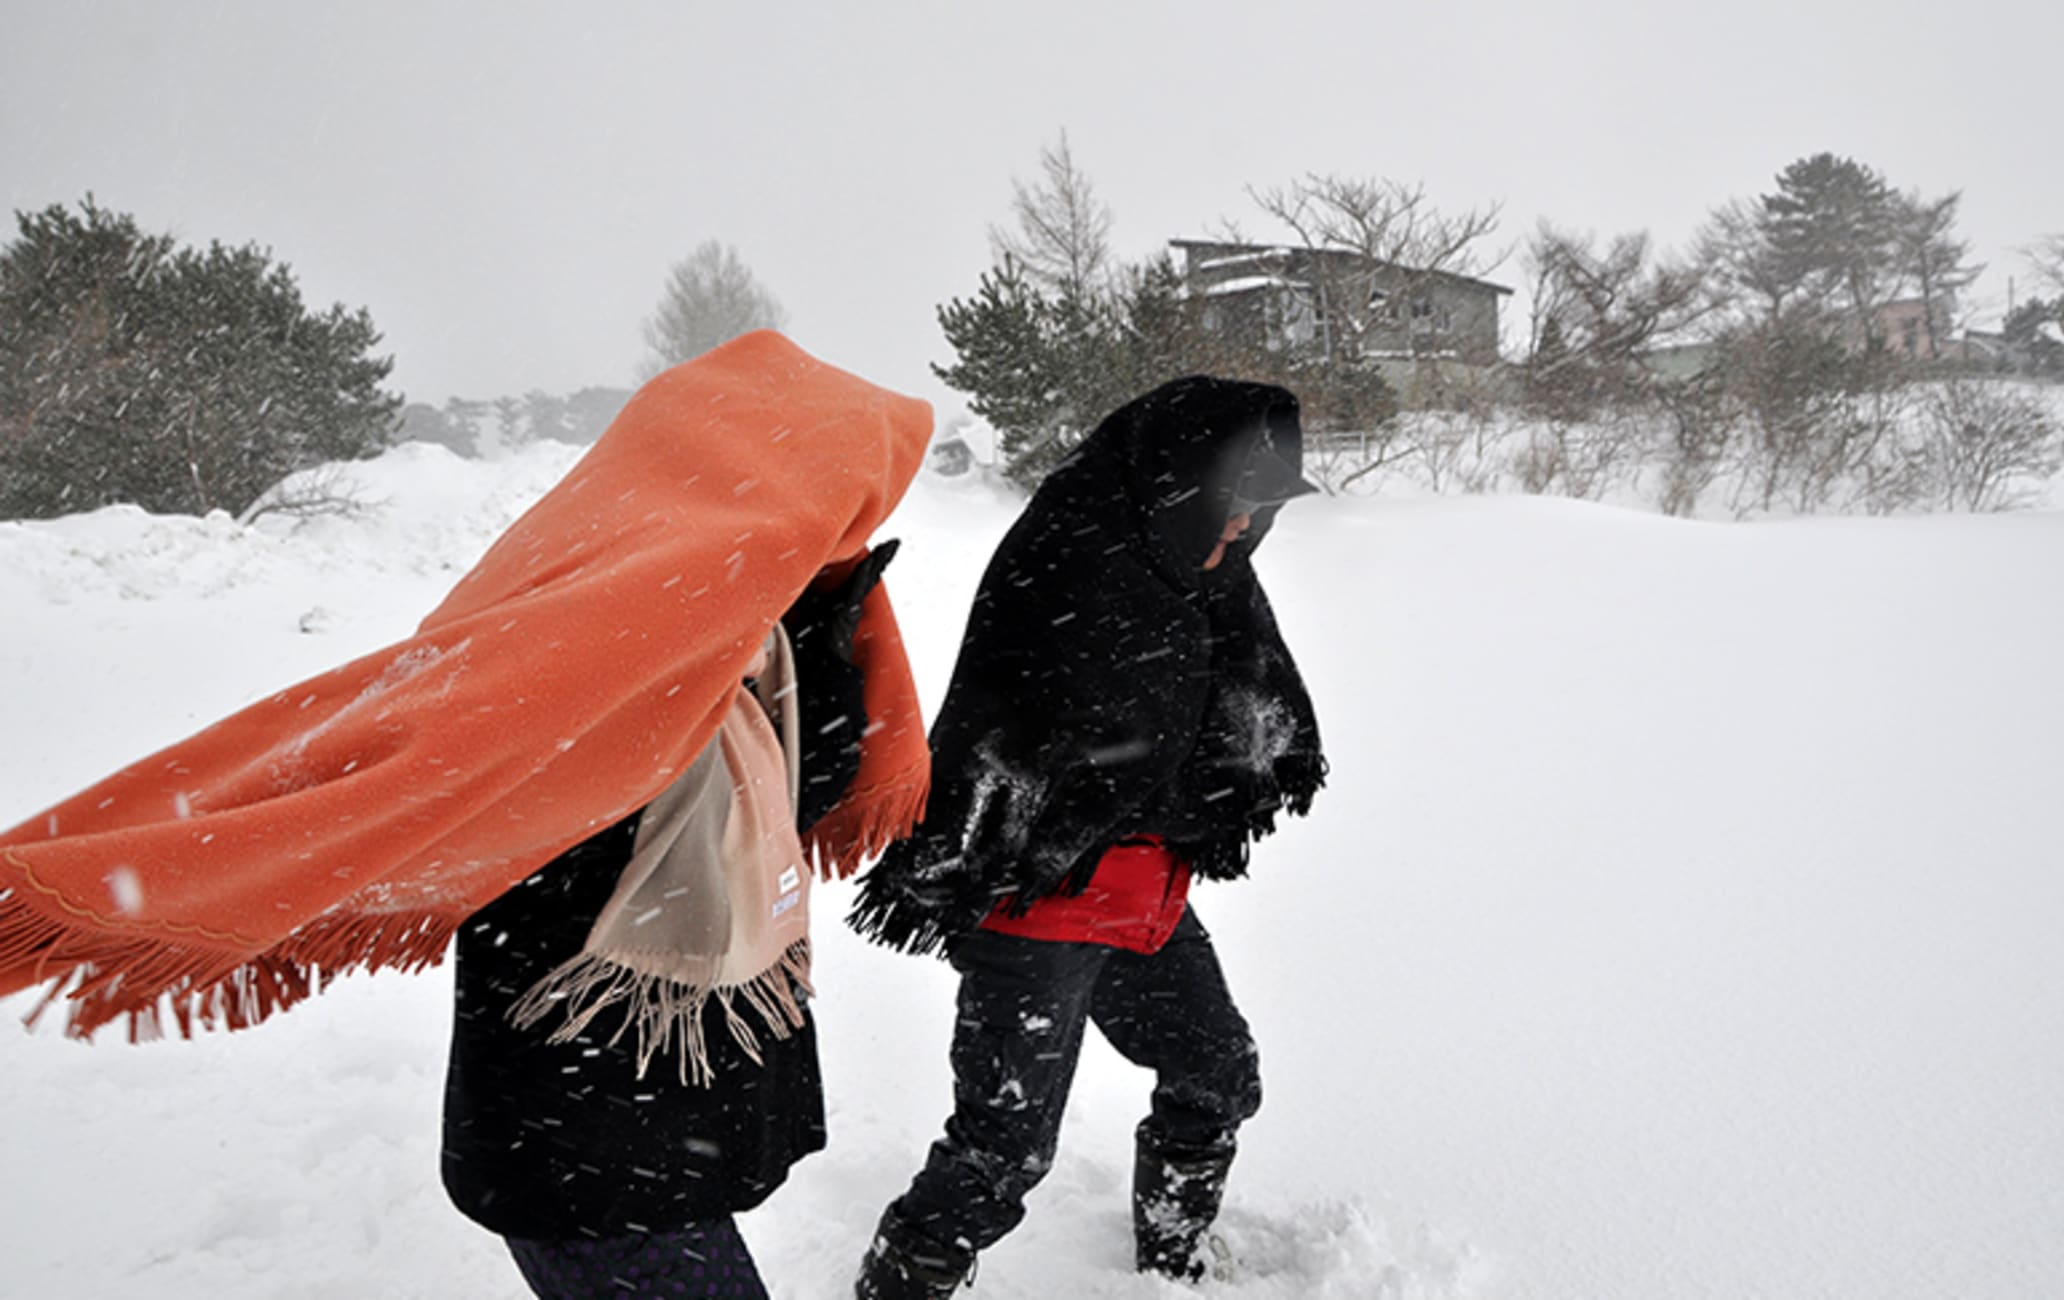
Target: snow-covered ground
1681 922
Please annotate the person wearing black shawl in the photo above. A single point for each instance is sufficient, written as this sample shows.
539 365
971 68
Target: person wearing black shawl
1124 714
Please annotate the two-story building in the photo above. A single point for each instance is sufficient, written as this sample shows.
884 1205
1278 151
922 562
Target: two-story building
1283 296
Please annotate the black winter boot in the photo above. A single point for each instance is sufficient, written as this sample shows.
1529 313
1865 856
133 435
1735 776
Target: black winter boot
1175 1196
899 1265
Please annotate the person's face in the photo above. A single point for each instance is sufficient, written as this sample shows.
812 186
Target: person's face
1234 527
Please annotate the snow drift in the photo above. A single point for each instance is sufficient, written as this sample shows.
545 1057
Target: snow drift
1677 923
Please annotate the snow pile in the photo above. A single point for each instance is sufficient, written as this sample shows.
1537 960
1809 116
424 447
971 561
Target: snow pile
1678 923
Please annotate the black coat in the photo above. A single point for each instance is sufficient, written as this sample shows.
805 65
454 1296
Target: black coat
1108 684
554 1141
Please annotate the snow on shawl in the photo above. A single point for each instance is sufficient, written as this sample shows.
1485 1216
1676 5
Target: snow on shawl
353 820
1109 685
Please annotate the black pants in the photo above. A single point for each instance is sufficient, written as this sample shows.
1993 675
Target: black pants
1023 1004
707 1261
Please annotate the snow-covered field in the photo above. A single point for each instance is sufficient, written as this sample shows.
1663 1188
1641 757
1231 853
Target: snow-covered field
1681 922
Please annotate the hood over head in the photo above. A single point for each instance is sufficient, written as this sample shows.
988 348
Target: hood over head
1194 452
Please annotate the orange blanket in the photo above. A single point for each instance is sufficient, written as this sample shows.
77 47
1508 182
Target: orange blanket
353 820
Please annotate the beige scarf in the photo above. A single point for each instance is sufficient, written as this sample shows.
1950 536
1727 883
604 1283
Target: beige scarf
715 901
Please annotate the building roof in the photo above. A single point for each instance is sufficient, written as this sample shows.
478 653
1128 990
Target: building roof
1238 254
1258 257
1247 284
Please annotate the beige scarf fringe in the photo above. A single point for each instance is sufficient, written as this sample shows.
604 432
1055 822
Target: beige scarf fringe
666 1012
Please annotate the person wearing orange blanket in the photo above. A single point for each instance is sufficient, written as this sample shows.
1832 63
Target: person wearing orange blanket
579 691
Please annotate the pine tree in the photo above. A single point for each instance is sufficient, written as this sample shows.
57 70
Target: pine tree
178 379
544 417
72 292
2024 324
1832 227
1934 261
1008 366
2028 334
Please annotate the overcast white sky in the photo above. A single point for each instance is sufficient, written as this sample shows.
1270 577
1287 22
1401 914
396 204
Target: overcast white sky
505 185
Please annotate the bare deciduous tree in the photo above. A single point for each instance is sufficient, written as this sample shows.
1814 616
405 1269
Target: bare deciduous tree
1699 432
1399 239
2046 255
1990 443
1587 382
1582 460
1459 447
711 297
1596 314
1871 459
1062 239
325 491
1746 279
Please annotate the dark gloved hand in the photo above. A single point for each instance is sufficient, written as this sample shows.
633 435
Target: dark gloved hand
830 687
829 618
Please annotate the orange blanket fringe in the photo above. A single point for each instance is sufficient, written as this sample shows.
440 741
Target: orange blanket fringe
353 820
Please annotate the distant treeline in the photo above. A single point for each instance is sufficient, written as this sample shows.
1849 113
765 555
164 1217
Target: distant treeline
476 429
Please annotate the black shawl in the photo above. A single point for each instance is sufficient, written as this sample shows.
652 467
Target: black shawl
1108 684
